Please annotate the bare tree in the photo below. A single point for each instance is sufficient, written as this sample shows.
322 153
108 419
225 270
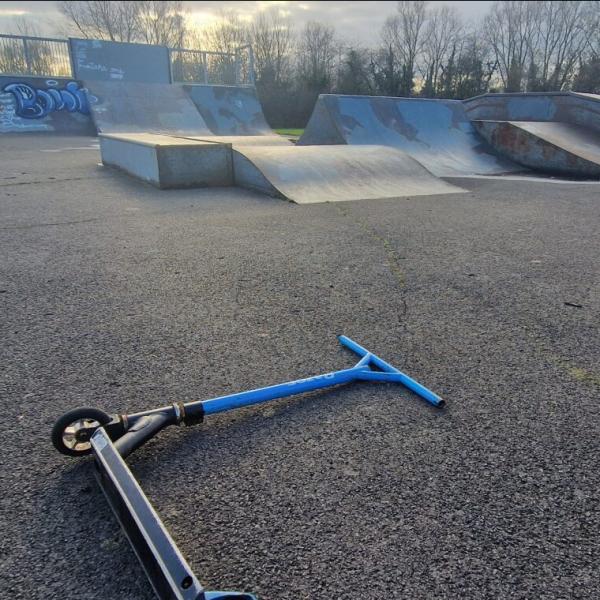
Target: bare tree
151 22
225 35
162 23
403 33
587 78
115 21
354 77
591 28
559 44
510 28
272 40
317 53
442 33
470 68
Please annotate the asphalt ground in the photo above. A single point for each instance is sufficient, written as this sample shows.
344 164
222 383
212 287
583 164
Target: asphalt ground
120 296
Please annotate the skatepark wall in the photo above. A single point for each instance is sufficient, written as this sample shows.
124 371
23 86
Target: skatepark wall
97 60
44 105
60 105
565 107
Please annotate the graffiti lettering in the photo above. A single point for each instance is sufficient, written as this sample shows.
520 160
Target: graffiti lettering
37 103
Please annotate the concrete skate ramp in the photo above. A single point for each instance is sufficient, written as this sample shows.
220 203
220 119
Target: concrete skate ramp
437 133
557 148
564 107
312 174
229 109
129 107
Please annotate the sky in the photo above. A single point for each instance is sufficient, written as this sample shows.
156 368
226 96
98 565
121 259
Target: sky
359 22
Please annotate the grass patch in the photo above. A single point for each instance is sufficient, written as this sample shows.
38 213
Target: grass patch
289 131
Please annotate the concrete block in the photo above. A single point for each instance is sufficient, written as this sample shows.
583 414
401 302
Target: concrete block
168 162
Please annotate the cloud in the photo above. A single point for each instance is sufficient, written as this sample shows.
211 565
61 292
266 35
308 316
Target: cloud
12 12
355 22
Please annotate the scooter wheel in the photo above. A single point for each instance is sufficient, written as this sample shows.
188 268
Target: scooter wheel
72 432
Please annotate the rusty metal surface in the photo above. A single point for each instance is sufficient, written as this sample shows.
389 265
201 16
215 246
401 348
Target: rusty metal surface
565 107
556 148
312 174
437 133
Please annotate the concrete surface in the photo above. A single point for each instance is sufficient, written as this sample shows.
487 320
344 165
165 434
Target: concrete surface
244 140
143 108
122 296
557 148
437 133
304 175
230 109
312 174
168 162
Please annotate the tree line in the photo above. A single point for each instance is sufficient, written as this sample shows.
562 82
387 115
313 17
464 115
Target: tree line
431 52
422 50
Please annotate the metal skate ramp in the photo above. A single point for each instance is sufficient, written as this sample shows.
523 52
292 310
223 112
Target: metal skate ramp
230 109
131 107
312 174
437 133
305 175
562 107
233 114
557 148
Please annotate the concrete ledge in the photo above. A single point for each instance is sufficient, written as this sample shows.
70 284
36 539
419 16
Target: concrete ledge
168 162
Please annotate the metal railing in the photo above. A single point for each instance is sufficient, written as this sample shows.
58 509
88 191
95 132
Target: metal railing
50 57
36 56
201 66
204 66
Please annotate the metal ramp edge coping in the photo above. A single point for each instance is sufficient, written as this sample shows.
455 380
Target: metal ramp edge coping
112 438
572 94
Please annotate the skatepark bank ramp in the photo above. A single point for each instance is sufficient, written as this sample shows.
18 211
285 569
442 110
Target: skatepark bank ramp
552 132
312 174
160 134
304 175
131 107
437 133
552 147
226 114
563 107
230 109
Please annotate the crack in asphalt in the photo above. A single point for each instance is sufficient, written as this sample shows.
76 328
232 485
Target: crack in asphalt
33 226
45 181
390 252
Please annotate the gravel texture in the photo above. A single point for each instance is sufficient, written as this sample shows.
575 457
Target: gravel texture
117 295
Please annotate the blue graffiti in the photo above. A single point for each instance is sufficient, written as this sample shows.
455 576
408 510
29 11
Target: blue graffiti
37 103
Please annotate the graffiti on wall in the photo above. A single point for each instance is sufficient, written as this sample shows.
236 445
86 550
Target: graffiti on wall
37 103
